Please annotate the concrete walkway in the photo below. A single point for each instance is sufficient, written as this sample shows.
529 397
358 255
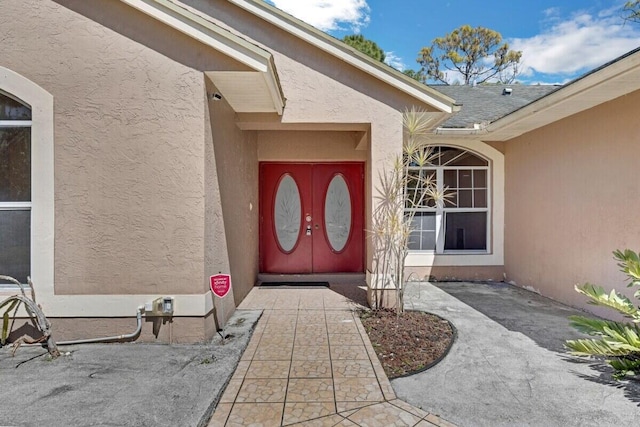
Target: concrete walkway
507 366
310 363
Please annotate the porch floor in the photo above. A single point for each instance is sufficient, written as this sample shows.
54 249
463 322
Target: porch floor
310 362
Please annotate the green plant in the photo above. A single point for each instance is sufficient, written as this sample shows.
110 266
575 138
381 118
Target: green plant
617 342
400 191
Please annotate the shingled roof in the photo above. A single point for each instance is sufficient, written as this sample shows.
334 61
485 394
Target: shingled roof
484 104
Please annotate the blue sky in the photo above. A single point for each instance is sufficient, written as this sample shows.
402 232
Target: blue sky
560 39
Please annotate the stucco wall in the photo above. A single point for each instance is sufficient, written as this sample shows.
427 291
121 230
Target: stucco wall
309 146
134 143
129 142
572 197
232 234
321 89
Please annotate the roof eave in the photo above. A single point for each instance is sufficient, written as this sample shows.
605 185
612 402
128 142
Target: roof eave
604 84
210 34
351 56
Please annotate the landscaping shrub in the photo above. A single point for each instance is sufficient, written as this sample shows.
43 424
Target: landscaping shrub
617 342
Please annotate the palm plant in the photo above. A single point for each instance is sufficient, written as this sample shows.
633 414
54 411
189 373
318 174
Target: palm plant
400 191
617 342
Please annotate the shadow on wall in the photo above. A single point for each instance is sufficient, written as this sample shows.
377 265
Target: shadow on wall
135 25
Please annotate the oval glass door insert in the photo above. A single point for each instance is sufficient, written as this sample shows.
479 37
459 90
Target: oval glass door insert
287 213
337 213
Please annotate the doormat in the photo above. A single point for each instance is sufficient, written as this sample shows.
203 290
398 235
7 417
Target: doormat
294 284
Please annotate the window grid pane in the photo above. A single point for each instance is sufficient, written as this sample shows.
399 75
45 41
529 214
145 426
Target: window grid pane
462 177
466 231
417 183
423 231
10 109
15 164
15 232
463 186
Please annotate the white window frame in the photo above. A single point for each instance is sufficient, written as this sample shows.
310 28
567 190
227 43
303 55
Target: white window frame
494 254
15 206
42 176
441 209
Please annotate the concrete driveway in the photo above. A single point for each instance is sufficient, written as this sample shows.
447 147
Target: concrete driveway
508 367
121 384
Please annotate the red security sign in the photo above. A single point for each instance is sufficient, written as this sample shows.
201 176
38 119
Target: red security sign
220 284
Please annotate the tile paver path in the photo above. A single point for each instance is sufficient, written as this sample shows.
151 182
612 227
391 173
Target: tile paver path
310 363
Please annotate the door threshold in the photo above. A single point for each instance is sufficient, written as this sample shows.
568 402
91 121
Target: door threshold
321 277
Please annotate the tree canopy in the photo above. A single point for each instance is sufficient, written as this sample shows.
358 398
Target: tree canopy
632 11
416 75
475 54
366 46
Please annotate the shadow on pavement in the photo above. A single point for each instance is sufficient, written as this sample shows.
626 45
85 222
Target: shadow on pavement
630 387
541 319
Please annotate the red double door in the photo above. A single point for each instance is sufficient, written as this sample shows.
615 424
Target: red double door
311 217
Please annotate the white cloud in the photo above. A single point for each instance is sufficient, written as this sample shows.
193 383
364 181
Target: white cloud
328 15
573 46
395 61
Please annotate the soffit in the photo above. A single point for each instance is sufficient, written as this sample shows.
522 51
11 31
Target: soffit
246 91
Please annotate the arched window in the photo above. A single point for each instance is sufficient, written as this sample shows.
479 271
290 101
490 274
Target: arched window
15 187
460 222
26 182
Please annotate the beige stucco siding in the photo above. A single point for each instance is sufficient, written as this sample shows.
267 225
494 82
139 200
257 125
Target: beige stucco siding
129 117
308 146
231 231
321 89
572 197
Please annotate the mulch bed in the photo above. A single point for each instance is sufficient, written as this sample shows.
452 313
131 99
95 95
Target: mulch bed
408 343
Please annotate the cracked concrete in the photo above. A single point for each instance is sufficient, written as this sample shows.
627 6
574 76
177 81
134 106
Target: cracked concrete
507 366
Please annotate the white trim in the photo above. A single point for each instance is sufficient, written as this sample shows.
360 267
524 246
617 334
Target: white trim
15 123
618 78
495 238
42 176
194 305
326 43
220 39
15 206
204 31
271 81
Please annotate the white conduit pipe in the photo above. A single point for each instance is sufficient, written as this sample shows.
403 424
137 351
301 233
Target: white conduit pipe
126 337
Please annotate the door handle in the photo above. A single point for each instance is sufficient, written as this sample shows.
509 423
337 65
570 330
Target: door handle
308 233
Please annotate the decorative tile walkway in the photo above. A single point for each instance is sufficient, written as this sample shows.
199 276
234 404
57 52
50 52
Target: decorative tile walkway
310 363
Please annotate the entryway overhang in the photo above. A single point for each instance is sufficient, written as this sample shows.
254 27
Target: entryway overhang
255 89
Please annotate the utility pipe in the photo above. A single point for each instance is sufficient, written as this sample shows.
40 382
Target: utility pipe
126 337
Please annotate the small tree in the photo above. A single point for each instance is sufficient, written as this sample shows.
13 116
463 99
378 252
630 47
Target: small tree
477 54
617 342
366 46
401 190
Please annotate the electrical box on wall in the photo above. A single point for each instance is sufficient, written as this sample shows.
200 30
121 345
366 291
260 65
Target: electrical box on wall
162 306
167 306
